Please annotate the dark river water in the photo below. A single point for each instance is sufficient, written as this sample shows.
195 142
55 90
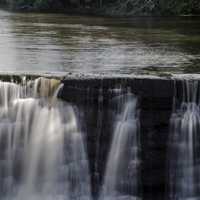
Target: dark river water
55 43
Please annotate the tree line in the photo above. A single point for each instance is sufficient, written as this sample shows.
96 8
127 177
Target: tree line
111 7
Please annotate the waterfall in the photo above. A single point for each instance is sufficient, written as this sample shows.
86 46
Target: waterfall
121 176
184 146
42 151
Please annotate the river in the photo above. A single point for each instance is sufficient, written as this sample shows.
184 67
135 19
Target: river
56 43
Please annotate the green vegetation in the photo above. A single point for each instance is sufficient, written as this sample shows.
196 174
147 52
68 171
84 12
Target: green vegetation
110 7
33 5
154 7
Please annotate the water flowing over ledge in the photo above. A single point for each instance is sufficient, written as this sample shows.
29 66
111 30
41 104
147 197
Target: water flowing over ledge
183 146
122 172
156 104
36 129
95 119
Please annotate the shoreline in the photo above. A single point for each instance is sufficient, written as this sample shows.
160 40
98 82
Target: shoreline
90 12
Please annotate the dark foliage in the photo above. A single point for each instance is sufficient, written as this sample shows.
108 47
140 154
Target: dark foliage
111 7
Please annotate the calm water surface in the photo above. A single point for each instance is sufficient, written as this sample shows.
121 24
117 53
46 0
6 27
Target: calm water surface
60 43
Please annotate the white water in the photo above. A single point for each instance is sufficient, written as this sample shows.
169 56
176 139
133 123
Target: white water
184 146
121 180
41 147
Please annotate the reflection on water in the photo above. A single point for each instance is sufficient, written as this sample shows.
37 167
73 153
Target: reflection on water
60 43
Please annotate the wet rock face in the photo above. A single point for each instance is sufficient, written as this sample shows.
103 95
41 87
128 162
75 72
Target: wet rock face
94 97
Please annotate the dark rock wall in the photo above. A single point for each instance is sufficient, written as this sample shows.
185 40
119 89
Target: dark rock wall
94 100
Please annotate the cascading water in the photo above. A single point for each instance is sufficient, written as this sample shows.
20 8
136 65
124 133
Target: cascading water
42 155
184 146
121 176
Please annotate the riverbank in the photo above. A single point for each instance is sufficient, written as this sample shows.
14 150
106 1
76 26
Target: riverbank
127 8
